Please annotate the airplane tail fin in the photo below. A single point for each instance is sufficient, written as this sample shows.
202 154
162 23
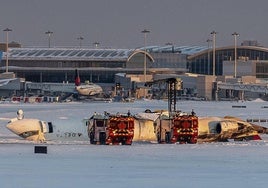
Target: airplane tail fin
253 137
256 137
77 78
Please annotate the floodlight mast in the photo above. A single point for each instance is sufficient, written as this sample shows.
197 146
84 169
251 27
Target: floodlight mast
208 41
235 34
213 33
145 32
7 30
49 33
80 41
96 45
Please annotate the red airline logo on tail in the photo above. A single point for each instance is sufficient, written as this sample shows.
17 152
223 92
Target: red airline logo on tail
77 78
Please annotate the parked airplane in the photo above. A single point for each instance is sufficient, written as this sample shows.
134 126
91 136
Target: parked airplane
210 129
87 89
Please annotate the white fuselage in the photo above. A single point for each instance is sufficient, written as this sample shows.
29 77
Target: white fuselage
36 130
209 129
89 89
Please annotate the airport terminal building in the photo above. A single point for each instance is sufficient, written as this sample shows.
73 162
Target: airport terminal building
202 62
102 65
57 65
95 65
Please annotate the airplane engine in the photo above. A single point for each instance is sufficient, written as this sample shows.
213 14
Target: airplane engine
226 128
216 129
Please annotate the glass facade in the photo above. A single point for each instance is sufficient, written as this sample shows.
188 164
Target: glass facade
262 70
202 63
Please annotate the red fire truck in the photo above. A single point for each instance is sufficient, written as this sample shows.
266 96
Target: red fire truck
184 129
111 129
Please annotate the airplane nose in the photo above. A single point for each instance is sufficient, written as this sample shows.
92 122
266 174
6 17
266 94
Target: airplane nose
12 127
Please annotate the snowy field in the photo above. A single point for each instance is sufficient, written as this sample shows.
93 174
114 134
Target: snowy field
79 164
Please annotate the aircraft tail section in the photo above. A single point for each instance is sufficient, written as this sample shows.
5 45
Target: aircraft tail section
77 78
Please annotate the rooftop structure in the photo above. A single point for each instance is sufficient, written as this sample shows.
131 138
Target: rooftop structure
71 54
201 63
188 50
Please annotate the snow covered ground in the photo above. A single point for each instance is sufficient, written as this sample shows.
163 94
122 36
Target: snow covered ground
79 164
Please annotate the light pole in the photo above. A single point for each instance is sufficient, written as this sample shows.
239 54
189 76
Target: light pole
213 33
235 34
80 41
208 41
49 33
96 44
7 30
145 32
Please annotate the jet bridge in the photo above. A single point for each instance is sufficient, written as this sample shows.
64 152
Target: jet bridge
51 87
258 88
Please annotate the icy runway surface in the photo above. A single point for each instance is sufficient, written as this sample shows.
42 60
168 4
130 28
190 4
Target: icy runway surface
79 164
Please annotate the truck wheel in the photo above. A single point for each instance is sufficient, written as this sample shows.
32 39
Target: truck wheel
167 137
128 143
102 137
91 138
158 138
193 140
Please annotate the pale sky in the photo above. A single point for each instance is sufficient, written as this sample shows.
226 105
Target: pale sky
118 23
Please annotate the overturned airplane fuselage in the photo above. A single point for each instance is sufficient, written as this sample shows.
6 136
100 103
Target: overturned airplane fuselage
150 127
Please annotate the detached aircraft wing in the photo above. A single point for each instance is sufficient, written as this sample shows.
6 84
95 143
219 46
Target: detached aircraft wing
258 128
213 129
